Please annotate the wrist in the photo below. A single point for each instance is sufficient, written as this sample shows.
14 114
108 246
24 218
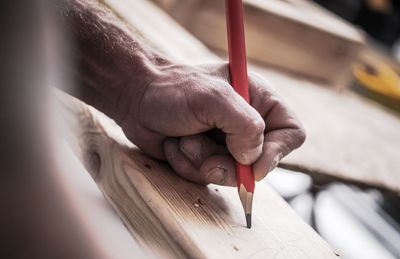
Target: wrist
144 68
112 66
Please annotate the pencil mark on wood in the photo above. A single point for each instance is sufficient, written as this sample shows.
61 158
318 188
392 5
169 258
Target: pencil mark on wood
200 201
291 251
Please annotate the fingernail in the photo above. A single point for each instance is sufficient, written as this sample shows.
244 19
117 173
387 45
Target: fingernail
216 175
275 162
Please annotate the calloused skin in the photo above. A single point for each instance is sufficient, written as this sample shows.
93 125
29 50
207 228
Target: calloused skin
167 109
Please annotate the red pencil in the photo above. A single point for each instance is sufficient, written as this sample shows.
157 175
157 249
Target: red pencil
239 81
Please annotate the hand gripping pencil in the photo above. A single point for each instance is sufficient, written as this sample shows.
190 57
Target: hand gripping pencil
239 81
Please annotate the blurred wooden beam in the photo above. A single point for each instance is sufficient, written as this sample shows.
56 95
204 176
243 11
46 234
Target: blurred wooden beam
295 35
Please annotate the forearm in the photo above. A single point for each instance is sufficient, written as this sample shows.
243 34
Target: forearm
111 66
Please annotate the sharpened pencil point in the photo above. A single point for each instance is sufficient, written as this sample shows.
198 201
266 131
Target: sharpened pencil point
248 220
247 201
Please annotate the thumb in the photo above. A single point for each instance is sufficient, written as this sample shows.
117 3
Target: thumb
242 124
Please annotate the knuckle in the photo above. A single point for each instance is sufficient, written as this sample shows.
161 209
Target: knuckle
211 90
259 81
300 136
298 133
218 69
222 91
255 126
294 138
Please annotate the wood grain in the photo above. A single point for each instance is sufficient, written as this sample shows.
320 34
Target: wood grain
295 35
173 218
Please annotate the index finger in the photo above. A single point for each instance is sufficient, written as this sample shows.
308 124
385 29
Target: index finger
223 108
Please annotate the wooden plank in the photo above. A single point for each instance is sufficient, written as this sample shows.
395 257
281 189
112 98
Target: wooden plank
349 138
173 218
294 35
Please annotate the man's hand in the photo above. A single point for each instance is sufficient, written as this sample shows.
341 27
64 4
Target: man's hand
166 109
181 103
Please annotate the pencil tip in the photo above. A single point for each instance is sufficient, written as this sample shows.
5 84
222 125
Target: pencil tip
247 201
248 220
